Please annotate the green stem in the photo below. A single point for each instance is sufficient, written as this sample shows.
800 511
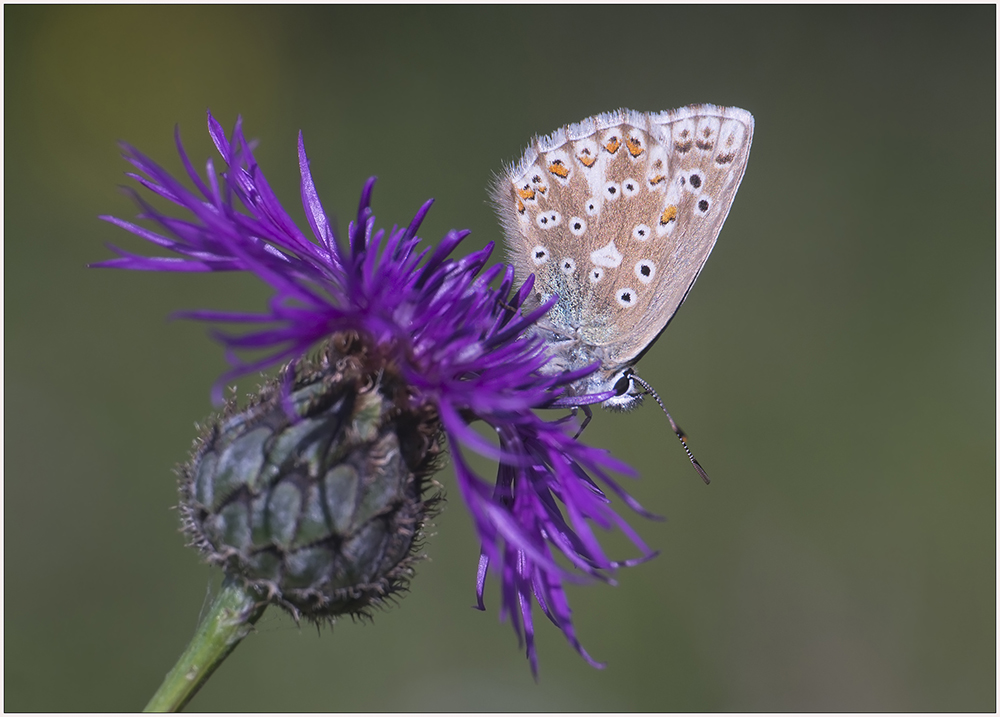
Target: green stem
229 619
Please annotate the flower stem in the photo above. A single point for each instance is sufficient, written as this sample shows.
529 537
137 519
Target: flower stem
228 620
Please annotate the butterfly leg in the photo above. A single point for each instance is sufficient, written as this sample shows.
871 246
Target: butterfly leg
587 415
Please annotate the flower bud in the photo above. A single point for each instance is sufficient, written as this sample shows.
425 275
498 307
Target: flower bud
314 493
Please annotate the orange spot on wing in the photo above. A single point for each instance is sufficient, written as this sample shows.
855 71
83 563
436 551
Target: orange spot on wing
586 158
559 169
520 207
526 193
613 144
659 178
634 146
669 214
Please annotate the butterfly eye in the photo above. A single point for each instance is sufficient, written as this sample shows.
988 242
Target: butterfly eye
623 385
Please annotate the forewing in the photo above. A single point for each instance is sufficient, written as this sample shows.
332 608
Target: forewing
619 213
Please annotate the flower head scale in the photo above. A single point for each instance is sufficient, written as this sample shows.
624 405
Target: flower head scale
461 346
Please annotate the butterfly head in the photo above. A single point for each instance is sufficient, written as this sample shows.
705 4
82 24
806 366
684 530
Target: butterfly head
628 394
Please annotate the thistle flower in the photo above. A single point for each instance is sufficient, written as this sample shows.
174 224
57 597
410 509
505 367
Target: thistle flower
454 349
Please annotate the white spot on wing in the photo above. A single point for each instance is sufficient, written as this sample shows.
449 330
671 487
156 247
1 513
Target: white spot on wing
645 270
693 181
707 134
659 169
607 256
683 136
730 141
547 220
641 232
626 298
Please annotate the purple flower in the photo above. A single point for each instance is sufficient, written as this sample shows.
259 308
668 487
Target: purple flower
461 345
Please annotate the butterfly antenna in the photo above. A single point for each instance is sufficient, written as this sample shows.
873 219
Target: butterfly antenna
677 429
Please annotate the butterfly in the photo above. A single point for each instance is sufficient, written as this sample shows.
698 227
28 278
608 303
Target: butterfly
616 216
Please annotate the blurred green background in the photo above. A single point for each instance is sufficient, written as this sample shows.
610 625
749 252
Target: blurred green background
834 367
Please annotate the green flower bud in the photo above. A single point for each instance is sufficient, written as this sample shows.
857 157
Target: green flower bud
314 496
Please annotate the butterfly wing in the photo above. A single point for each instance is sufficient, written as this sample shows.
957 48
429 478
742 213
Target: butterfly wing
618 214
